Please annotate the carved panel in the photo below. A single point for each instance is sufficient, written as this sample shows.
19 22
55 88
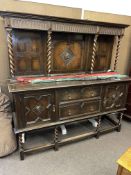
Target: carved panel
68 52
67 56
20 23
28 52
38 108
114 97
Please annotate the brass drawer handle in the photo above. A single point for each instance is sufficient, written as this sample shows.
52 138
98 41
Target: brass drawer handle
92 109
69 97
93 93
69 112
82 105
53 108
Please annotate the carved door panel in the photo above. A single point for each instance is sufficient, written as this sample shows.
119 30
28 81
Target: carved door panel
38 108
103 53
29 52
68 53
114 97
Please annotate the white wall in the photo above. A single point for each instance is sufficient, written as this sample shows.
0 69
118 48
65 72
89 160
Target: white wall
122 7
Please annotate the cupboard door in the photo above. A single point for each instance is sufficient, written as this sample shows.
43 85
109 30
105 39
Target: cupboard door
38 108
29 52
34 108
114 97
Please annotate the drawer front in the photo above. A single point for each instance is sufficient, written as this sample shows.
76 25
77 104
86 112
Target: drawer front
73 110
79 93
91 91
69 94
114 97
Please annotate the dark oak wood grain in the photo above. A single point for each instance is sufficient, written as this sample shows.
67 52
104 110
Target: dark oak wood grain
128 102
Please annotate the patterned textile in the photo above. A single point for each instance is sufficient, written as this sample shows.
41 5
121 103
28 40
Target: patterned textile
70 77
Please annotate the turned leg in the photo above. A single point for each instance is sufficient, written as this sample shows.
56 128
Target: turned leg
56 139
119 122
21 145
98 127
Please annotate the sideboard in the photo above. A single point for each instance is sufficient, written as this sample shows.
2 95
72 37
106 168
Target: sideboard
128 102
61 73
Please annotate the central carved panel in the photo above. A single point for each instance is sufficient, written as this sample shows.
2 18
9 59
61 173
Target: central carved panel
67 56
38 109
67 53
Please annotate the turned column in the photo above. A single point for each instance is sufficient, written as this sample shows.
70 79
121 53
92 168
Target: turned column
56 138
10 52
93 57
119 122
49 51
98 127
21 145
117 51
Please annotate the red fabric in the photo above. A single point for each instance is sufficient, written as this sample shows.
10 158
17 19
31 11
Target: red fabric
28 79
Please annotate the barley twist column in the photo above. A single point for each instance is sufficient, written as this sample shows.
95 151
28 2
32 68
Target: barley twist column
49 51
98 127
94 53
119 122
117 52
10 52
21 145
56 138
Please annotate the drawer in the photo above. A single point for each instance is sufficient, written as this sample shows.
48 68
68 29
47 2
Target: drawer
69 94
79 93
91 91
72 110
